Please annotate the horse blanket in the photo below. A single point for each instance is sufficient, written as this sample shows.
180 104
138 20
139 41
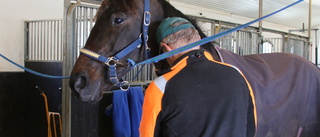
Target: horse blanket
287 92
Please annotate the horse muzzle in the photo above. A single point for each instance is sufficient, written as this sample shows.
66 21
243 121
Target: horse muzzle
82 88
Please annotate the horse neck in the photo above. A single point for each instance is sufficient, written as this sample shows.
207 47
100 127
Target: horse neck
170 11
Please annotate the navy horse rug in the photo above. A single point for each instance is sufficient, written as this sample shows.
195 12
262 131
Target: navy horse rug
287 92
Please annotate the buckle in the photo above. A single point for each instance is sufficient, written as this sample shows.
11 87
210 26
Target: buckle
146 19
116 81
111 61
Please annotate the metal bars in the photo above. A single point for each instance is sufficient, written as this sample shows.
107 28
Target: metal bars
241 42
247 41
83 23
145 76
298 47
271 45
44 40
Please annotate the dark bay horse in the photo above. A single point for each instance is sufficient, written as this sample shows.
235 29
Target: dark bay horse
286 86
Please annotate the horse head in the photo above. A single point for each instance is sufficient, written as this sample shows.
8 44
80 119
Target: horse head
118 24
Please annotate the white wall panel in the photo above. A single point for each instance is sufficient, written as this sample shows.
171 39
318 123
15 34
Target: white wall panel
13 14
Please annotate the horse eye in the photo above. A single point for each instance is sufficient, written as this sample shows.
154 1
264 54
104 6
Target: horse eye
118 21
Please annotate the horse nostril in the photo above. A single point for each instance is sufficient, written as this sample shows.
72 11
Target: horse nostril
77 82
80 82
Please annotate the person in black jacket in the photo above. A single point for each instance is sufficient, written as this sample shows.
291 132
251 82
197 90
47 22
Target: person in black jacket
198 97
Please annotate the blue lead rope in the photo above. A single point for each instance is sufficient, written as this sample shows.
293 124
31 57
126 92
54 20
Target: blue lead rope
32 71
171 53
208 39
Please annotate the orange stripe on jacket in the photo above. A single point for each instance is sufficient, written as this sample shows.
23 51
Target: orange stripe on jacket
153 99
150 110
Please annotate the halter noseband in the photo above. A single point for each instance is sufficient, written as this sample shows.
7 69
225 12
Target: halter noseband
114 60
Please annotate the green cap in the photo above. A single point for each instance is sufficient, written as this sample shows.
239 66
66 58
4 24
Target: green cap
166 27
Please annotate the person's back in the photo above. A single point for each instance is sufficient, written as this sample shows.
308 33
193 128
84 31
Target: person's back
205 98
197 96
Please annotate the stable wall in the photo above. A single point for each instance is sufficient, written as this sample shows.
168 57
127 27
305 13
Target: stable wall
22 108
13 14
22 111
